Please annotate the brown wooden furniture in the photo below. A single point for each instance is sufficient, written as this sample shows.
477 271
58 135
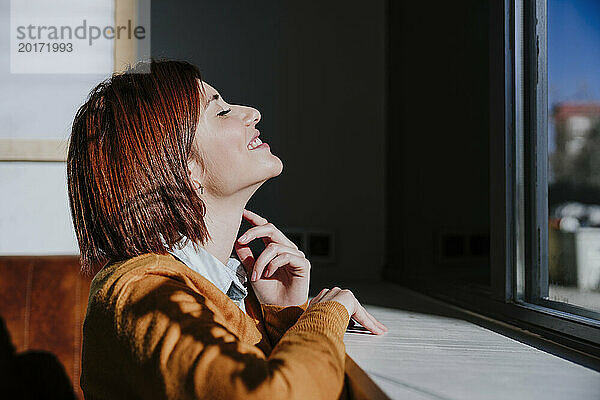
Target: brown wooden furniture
43 300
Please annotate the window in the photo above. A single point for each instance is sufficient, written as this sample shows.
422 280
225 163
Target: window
554 270
574 154
499 56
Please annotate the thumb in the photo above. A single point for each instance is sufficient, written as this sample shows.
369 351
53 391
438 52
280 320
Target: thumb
245 255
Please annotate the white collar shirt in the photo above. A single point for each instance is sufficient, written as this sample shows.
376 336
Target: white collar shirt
230 278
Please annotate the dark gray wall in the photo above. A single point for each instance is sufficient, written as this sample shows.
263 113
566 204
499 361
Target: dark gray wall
438 147
315 70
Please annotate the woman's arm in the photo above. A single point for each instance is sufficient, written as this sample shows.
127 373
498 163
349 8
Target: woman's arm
278 319
173 331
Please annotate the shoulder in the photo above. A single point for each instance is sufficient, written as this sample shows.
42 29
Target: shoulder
150 287
140 274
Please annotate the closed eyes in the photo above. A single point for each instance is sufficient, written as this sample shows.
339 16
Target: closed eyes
216 97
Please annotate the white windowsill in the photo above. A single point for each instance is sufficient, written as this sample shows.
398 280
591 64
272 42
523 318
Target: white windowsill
429 355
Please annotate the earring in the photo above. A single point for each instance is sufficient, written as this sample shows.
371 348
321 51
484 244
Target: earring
199 187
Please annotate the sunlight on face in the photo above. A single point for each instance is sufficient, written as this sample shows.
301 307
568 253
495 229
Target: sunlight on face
223 136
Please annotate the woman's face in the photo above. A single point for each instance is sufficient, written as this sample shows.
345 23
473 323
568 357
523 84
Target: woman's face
223 137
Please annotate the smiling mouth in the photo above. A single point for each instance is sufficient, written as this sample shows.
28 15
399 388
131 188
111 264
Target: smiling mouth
256 142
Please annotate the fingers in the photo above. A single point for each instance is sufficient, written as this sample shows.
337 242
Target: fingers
358 313
253 217
361 317
280 250
331 293
318 297
274 250
245 255
381 326
267 230
294 260
322 294
263 229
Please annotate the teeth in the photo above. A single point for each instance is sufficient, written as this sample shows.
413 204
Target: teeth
255 143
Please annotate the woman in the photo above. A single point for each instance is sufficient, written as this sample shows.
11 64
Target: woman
160 169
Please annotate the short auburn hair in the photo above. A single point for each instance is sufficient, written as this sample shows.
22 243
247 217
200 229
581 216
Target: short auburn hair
129 190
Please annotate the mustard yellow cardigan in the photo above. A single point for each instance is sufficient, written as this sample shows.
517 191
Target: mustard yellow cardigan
155 329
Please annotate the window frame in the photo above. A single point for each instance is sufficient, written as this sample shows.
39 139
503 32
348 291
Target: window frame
527 115
536 159
550 326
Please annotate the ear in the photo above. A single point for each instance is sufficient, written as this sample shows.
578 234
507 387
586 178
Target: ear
194 169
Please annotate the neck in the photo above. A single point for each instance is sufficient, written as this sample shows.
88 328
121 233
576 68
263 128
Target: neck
223 219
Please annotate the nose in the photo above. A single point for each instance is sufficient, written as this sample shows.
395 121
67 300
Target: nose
252 116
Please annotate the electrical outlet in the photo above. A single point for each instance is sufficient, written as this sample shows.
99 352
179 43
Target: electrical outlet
318 245
321 246
460 245
296 235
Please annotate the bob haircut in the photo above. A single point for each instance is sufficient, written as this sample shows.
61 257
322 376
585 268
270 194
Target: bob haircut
129 190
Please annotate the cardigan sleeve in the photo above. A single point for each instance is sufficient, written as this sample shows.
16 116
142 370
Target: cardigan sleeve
278 319
179 337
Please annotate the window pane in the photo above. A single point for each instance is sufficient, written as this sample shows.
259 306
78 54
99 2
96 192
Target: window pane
574 152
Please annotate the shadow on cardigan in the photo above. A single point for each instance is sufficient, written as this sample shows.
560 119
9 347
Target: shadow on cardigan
255 370
356 385
192 314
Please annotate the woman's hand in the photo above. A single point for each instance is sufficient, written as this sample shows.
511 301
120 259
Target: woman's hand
355 309
281 271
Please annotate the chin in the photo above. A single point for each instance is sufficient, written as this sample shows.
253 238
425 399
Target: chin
270 169
274 170
279 166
